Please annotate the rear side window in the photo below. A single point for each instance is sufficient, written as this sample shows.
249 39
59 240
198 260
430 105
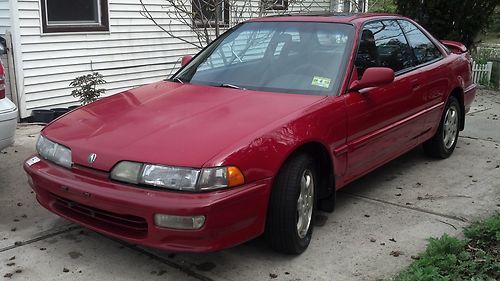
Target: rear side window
423 48
383 44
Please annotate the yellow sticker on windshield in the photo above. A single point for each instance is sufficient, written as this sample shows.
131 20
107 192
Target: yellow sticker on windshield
321 81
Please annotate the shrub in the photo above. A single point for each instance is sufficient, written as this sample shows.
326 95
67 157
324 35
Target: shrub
86 87
449 258
459 20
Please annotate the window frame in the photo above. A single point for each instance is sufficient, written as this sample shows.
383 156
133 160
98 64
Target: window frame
429 37
76 26
400 72
397 19
336 90
211 23
275 5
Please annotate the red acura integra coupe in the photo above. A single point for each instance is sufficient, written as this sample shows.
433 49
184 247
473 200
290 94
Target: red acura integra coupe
255 133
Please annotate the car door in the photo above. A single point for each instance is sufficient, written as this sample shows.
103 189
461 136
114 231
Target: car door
380 123
430 82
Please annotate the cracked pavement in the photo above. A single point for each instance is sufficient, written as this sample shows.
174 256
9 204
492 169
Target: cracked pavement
393 209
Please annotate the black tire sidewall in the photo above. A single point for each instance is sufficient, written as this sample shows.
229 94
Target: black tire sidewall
286 190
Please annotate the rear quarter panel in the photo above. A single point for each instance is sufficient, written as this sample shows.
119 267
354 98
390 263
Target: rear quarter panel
452 72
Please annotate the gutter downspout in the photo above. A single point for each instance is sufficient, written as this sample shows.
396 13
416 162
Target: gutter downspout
12 72
17 60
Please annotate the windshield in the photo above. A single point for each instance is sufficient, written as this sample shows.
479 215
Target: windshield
287 57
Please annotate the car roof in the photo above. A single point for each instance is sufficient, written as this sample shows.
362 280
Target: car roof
328 17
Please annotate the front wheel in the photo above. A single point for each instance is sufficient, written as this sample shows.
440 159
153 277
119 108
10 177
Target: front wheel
443 143
289 223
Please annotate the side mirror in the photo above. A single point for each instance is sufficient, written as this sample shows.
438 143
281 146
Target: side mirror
373 77
185 60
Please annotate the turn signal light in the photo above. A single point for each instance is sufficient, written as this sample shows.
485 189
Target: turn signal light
234 177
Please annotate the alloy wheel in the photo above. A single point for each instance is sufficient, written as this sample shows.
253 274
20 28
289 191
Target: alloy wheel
305 203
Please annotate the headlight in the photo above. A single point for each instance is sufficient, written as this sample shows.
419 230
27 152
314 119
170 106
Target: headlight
54 152
178 178
169 177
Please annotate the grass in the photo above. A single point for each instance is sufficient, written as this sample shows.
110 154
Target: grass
477 257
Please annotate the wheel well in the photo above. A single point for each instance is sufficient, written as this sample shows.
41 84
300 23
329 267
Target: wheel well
458 93
326 194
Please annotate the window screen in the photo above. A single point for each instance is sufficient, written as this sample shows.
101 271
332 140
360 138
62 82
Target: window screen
64 11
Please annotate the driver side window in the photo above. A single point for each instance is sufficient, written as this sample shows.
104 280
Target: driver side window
383 44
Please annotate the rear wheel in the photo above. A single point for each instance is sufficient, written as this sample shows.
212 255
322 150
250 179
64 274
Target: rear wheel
443 143
289 223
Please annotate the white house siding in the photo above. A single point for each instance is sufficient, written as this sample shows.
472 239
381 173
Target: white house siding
4 16
4 27
134 52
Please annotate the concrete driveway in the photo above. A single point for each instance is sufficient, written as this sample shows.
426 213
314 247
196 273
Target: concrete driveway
380 222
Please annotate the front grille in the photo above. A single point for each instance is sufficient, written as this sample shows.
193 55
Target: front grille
124 225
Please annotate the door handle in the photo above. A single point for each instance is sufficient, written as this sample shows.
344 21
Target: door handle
415 85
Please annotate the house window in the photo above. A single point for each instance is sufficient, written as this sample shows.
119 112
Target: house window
275 4
347 6
74 15
361 6
207 12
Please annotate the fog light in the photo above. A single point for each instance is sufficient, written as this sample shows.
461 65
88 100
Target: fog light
179 222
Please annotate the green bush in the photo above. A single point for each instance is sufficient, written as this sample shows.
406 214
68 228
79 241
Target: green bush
485 232
459 20
449 259
86 87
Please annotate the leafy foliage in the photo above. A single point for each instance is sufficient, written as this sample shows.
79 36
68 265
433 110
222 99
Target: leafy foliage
493 32
484 233
484 54
86 87
459 20
448 258
382 6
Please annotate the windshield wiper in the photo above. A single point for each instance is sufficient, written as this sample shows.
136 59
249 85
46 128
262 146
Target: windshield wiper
226 85
177 79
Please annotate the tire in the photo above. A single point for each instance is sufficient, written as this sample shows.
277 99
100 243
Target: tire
286 231
443 143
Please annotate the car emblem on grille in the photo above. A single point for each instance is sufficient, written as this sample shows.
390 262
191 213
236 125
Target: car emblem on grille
92 157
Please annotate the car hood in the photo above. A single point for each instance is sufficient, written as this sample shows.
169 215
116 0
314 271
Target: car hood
169 123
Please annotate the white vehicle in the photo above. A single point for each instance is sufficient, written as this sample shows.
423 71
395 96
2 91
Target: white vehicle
8 113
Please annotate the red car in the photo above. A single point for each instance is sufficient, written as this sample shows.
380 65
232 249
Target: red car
255 133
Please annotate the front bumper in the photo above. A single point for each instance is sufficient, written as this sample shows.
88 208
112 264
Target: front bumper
89 198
